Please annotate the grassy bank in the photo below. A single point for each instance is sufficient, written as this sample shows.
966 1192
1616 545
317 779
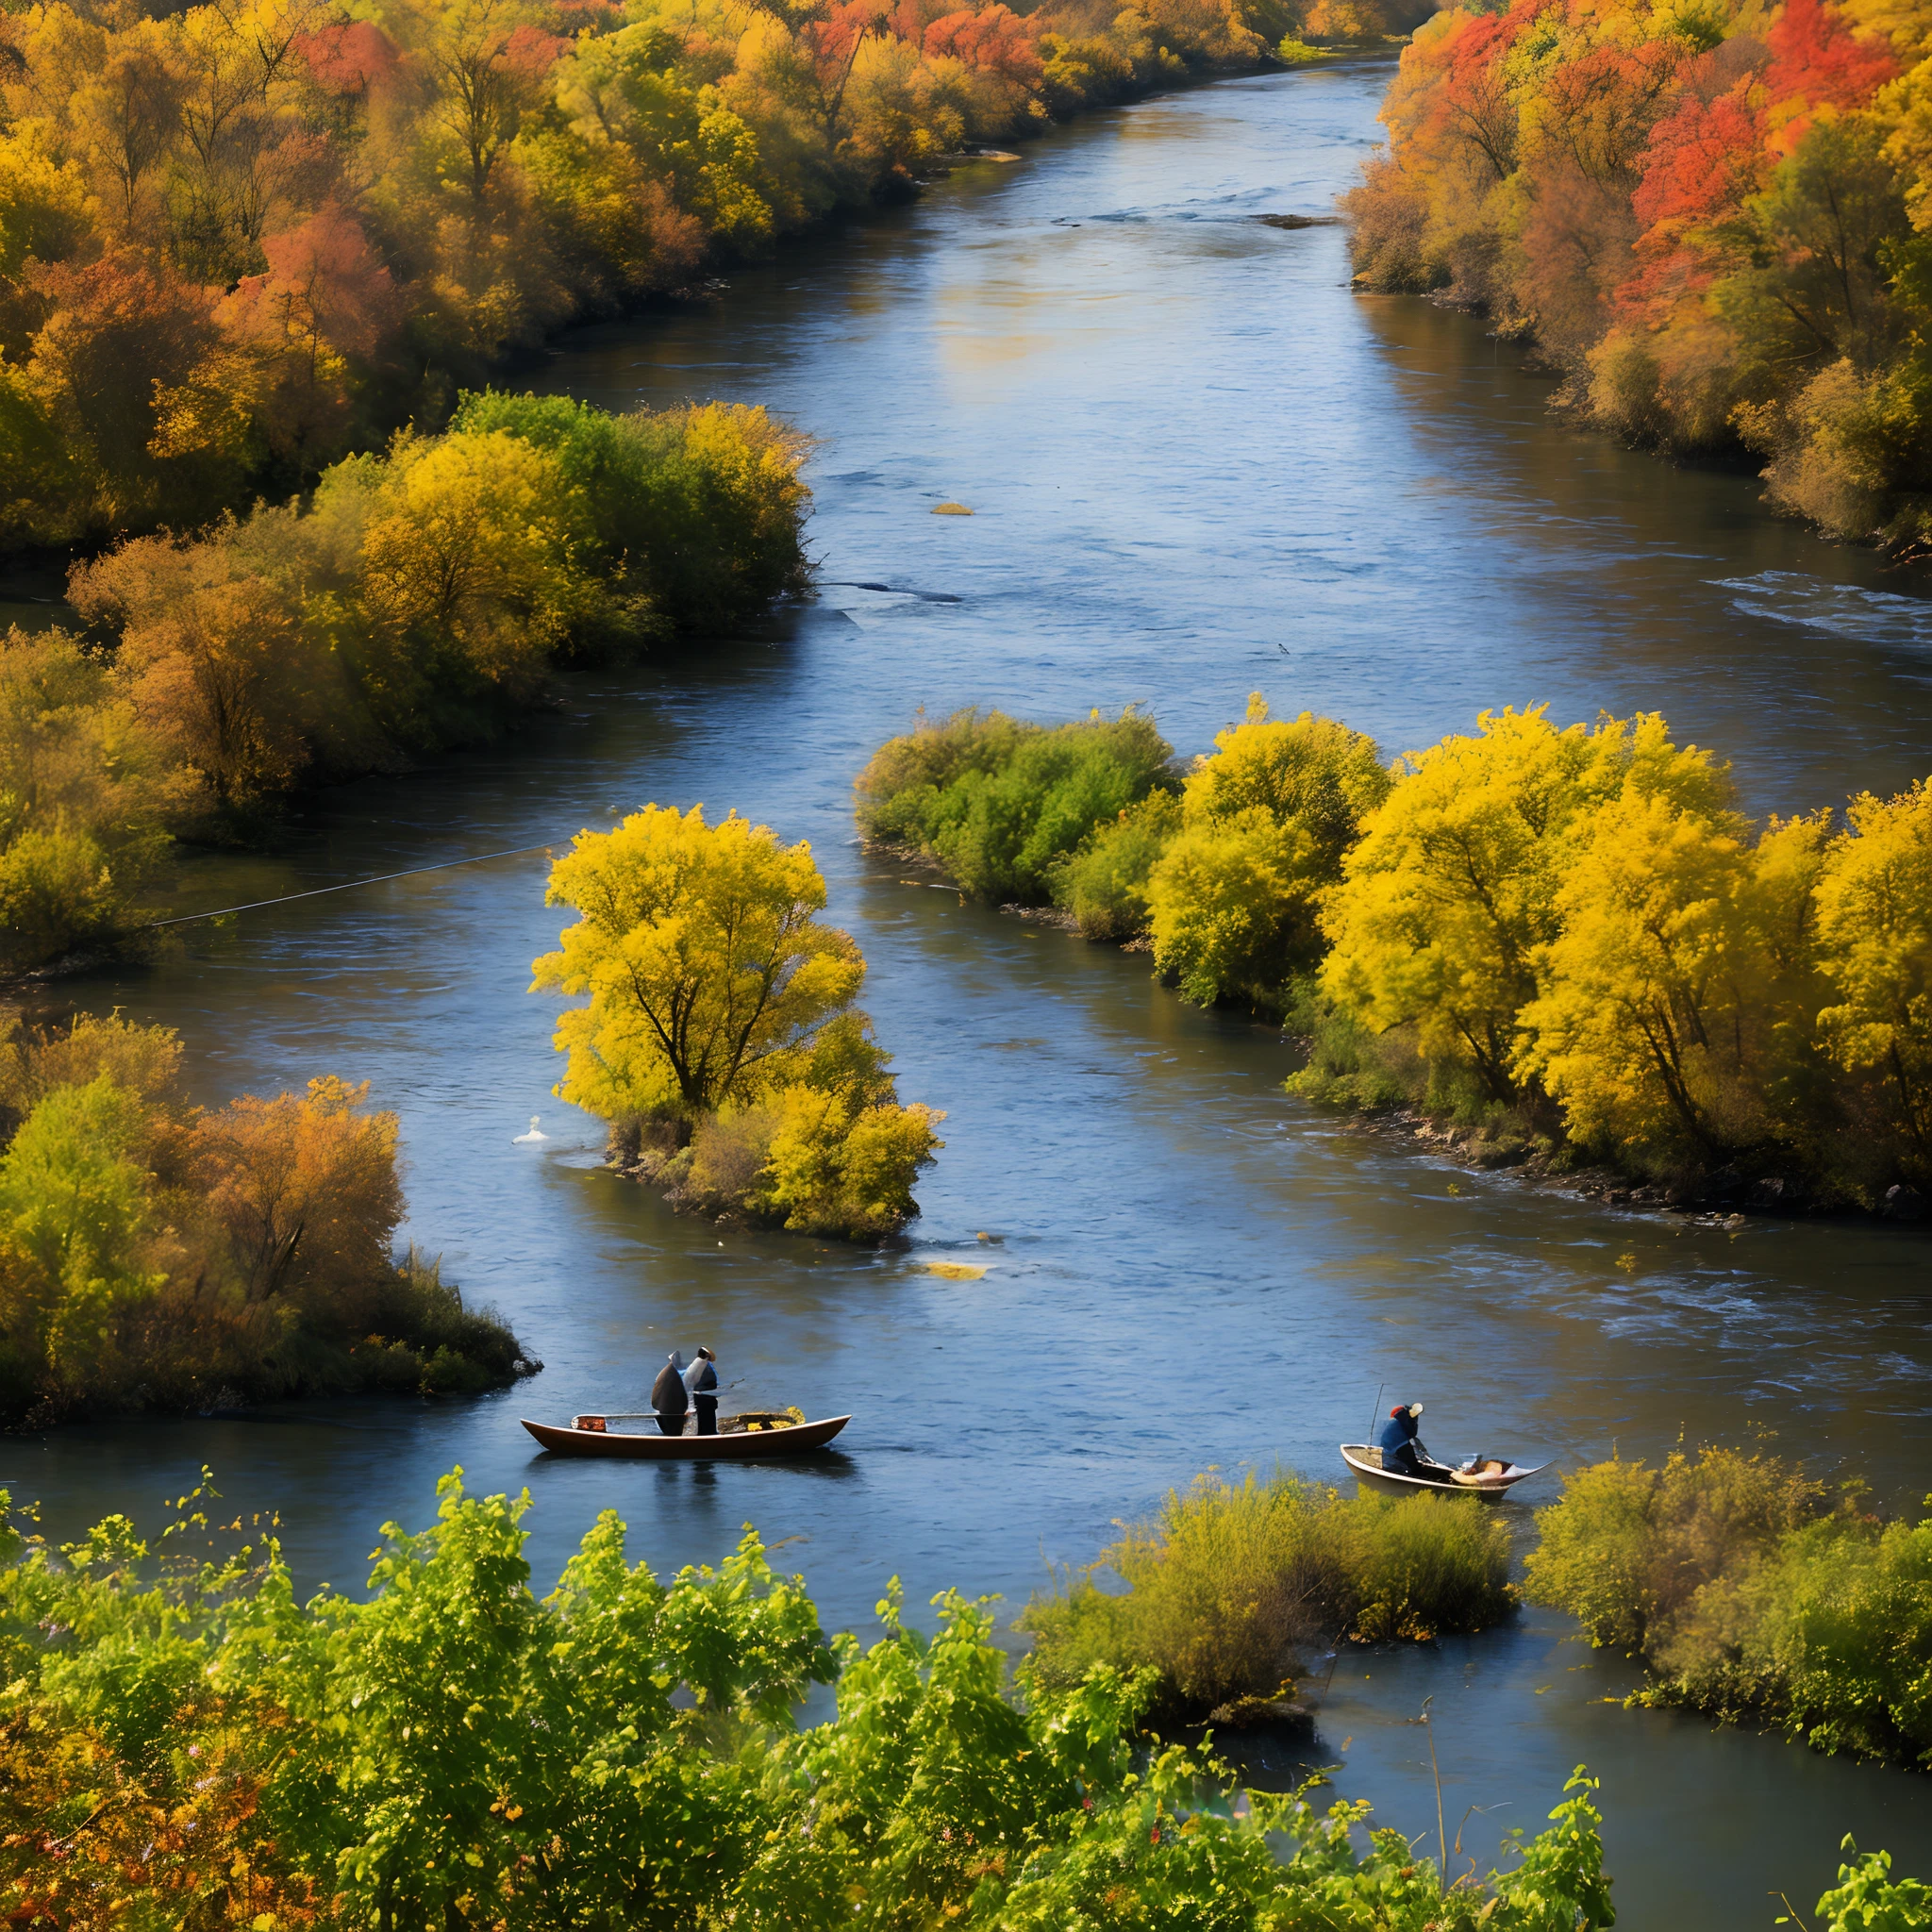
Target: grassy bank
1753 1593
720 1035
419 600
154 1255
1234 1587
1567 943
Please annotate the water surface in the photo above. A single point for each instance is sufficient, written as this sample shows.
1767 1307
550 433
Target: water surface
1199 465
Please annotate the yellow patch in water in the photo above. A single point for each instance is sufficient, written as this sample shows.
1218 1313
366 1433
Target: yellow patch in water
951 509
954 1271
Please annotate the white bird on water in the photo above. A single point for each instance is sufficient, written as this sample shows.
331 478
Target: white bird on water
530 1138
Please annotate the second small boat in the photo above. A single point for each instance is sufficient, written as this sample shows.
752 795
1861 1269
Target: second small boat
1482 1475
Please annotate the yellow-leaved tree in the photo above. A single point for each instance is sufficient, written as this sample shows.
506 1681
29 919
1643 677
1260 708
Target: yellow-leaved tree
1674 1016
1875 932
1451 901
721 1008
1266 818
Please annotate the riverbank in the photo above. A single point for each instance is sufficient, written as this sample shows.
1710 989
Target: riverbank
1676 273
1563 946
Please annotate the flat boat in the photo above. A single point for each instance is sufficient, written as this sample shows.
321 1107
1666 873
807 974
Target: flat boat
756 1443
1491 1477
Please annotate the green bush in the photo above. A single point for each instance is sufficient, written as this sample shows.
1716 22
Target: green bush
999 803
697 514
1750 1592
184 1744
1233 1584
1348 1066
1103 882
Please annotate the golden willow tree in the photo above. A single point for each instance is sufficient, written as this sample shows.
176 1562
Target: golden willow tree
720 1033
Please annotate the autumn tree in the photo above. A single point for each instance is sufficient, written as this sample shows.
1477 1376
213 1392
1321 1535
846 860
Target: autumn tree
1874 933
705 965
1266 818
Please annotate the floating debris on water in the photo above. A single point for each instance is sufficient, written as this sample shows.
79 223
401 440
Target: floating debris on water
954 1271
951 509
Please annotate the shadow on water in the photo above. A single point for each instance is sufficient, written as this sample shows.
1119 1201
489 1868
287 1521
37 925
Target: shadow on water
1199 464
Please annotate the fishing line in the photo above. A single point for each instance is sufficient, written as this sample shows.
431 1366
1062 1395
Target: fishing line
346 886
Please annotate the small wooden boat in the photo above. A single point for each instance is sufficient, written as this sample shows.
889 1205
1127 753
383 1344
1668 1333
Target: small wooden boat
1487 1475
588 1436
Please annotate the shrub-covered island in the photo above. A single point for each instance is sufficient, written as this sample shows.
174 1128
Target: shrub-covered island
1233 1587
1752 1591
1567 943
157 1256
719 1035
418 601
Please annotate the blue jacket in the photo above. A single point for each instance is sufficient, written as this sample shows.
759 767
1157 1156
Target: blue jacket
1399 1432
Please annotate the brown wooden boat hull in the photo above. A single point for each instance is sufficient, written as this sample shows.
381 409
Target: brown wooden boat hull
754 1445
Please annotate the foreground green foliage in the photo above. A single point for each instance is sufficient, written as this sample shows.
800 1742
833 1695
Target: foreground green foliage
182 1742
157 1256
1751 1593
1233 1585
420 601
720 1037
1568 940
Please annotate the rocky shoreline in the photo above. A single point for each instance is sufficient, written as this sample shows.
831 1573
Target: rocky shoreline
1726 1199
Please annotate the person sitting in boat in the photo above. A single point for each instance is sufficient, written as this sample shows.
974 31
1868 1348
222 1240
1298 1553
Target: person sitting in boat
1402 1449
667 1395
702 1380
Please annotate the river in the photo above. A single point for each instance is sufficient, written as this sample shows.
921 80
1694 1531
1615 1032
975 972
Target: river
1198 465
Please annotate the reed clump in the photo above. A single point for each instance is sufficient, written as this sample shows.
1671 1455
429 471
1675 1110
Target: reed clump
1233 1585
1754 1593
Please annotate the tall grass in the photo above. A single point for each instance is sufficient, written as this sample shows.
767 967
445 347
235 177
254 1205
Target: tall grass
1753 1593
1232 1585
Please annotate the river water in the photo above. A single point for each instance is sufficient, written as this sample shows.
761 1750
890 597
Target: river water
1198 465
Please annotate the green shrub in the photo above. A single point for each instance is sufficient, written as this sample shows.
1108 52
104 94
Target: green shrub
999 803
1103 882
1233 1584
1751 1593
1348 1066
697 514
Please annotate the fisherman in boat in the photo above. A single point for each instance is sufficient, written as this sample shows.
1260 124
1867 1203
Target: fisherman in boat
702 1380
667 1395
1402 1449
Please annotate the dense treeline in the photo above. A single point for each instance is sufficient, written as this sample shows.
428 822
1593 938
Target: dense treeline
417 600
1571 938
719 1035
1716 219
239 241
200 1751
1236 1587
155 1255
1752 1591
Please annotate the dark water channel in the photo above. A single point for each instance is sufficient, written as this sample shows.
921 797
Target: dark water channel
1199 465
